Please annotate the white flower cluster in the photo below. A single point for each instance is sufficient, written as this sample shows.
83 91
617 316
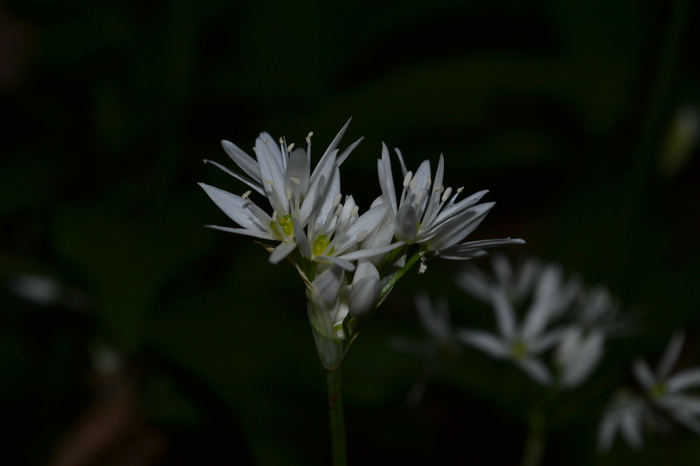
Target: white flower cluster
666 397
347 260
559 313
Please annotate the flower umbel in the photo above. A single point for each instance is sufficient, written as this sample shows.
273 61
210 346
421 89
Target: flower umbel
428 213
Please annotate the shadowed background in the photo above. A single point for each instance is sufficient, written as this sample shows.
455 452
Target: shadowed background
163 342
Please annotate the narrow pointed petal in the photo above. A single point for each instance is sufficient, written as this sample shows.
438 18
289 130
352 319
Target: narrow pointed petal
457 228
386 178
536 369
371 252
670 356
302 240
686 379
340 262
505 316
486 342
253 184
235 207
643 374
249 166
471 249
282 250
344 155
243 231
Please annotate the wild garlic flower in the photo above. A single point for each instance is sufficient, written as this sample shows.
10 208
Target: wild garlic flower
306 206
595 319
429 214
628 414
521 343
669 392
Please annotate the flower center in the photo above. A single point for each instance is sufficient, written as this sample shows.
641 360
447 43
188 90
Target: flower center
518 349
320 245
286 223
658 389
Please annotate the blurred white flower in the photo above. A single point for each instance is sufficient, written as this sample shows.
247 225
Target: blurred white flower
669 392
628 414
549 295
578 354
429 214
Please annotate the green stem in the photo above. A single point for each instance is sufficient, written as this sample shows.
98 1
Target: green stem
337 417
397 276
536 440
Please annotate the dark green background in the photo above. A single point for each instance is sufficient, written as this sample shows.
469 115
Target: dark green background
107 109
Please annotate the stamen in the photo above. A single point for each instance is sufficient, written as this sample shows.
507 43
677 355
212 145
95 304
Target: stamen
414 181
271 183
459 191
295 180
289 194
446 194
407 179
290 147
354 211
336 199
245 195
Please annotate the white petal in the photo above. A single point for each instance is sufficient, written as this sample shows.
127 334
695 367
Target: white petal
244 231
364 295
685 379
243 160
235 207
486 342
643 374
457 228
253 184
471 249
283 250
535 369
505 315
386 179
670 356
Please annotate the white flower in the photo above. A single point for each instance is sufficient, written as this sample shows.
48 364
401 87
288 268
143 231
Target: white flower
627 413
522 343
427 212
300 201
578 354
669 392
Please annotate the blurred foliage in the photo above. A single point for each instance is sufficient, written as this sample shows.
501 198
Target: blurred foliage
107 109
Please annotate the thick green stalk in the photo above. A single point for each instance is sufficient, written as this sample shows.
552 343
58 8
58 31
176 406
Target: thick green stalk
337 417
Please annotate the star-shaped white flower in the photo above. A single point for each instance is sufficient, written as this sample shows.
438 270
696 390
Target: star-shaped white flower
429 214
524 343
670 392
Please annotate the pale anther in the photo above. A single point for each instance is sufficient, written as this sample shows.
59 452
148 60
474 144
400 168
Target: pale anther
414 181
354 211
446 194
290 147
294 180
407 179
245 195
336 199
289 194
460 190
